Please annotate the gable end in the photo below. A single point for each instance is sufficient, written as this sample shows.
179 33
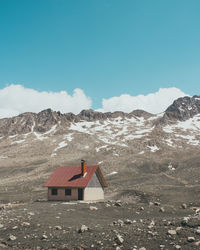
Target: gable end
95 181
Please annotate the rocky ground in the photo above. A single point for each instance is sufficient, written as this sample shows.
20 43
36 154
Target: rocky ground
150 216
103 225
159 209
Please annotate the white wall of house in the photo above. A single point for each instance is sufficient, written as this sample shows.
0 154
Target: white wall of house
92 193
94 189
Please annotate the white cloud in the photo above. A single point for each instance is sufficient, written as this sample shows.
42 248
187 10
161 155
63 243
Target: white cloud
15 99
153 103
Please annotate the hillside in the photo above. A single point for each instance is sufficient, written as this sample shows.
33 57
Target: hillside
134 146
151 164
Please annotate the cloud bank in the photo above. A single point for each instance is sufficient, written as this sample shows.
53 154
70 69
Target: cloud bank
15 99
153 103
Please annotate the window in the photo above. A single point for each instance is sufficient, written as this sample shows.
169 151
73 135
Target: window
68 192
54 191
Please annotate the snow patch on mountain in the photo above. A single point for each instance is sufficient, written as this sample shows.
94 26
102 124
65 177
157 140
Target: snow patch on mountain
40 136
156 116
141 153
153 148
13 136
190 124
19 141
115 131
188 130
191 139
53 129
132 137
99 148
170 167
3 157
82 127
68 137
169 142
62 144
112 173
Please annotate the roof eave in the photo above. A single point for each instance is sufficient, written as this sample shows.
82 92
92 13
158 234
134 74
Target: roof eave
101 177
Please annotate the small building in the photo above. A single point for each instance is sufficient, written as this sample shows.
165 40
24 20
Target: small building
82 182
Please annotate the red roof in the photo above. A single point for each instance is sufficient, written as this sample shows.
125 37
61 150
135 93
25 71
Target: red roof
70 176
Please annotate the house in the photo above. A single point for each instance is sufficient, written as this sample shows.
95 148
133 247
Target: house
76 183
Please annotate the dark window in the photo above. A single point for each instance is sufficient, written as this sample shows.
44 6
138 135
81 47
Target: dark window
54 191
68 191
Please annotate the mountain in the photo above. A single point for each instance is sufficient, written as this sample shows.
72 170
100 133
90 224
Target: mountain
128 146
183 108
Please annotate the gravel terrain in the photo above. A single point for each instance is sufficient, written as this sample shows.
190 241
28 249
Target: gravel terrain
103 225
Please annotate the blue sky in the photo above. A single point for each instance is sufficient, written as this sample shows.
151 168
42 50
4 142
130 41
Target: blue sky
106 48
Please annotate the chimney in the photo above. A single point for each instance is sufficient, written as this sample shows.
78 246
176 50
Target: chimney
83 167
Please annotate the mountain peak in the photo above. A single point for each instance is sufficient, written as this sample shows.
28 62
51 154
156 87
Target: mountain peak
183 108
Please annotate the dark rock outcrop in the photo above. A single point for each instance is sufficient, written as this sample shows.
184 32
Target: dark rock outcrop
182 109
21 124
141 113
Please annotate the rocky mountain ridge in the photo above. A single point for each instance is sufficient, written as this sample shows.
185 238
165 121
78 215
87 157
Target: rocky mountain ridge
181 110
42 121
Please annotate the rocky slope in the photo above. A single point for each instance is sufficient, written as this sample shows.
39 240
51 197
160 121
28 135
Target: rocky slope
183 108
150 162
125 145
109 225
